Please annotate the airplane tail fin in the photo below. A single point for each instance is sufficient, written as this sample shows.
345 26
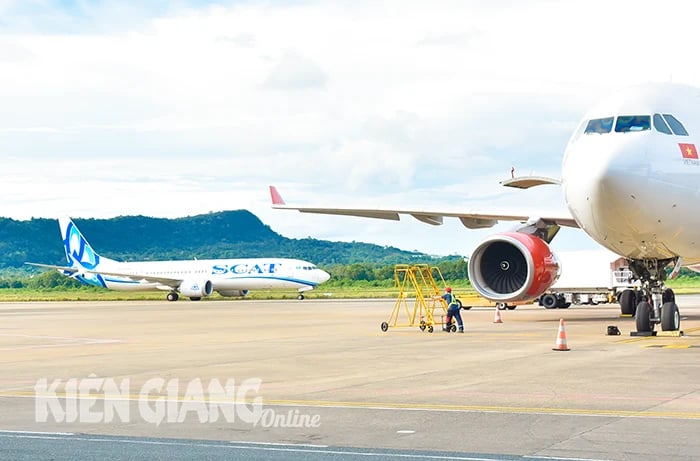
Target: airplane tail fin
79 253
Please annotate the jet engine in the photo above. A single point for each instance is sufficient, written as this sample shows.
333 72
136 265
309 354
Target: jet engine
196 288
232 293
513 266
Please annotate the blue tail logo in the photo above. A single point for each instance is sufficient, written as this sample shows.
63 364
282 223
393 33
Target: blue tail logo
78 250
80 255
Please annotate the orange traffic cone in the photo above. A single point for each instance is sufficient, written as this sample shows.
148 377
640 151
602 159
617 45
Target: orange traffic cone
561 338
497 318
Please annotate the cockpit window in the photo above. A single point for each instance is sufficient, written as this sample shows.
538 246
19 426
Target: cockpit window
626 123
676 126
660 124
599 125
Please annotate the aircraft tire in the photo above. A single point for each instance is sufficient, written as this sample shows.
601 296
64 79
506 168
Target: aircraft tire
385 326
501 306
511 308
195 298
670 317
300 297
549 301
668 296
172 296
628 302
642 317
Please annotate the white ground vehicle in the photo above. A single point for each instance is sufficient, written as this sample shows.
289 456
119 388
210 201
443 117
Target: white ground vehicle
588 277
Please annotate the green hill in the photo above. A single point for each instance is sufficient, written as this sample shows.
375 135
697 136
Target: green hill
226 234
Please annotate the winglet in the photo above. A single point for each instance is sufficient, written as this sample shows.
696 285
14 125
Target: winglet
276 197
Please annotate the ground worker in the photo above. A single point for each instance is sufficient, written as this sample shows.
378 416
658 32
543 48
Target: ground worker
452 311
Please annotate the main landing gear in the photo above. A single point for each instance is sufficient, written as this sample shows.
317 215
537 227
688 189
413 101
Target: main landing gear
653 304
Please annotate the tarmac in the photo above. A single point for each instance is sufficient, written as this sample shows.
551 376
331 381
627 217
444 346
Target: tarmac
322 375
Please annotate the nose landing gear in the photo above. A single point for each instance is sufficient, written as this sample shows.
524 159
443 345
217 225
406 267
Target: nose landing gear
656 304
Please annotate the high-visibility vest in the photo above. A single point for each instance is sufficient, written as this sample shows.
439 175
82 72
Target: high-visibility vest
453 300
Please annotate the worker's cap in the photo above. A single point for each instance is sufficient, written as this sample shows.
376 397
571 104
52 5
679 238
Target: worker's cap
448 289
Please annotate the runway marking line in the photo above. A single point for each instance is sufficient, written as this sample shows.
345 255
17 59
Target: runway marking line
3 431
65 341
667 346
306 445
487 409
607 413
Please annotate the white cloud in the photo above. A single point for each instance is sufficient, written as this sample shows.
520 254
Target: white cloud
172 111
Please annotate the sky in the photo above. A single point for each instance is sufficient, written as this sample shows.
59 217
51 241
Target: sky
172 109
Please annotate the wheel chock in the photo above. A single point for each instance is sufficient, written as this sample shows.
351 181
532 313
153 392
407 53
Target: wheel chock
642 333
672 334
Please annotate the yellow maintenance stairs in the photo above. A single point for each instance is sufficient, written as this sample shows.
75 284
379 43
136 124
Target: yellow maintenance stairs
419 283
424 285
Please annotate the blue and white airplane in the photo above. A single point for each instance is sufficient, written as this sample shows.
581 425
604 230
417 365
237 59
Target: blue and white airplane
195 279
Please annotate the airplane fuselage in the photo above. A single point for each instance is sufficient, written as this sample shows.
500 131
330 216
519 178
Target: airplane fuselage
634 189
224 274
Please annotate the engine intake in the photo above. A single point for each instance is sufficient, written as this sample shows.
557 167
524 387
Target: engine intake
196 288
513 267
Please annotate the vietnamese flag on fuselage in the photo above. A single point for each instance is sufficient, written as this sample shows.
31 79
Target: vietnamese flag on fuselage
688 150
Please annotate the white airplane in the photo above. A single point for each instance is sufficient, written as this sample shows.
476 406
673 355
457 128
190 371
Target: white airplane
195 279
629 176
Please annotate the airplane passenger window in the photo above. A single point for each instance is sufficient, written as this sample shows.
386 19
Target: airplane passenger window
660 124
676 126
599 125
626 123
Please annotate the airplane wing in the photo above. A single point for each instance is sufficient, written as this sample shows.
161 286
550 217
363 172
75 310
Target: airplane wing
51 266
470 219
171 282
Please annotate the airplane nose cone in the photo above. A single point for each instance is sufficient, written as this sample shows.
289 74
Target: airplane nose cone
323 276
604 185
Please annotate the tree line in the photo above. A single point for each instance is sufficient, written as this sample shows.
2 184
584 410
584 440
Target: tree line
221 235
